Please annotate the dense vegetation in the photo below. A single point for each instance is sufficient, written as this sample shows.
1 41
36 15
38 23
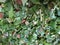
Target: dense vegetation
29 22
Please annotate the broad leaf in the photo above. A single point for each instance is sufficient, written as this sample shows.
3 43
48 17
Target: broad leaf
11 13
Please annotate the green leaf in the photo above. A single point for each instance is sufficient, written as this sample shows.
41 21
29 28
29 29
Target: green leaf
35 1
0 43
11 13
2 0
24 1
0 9
34 36
59 13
